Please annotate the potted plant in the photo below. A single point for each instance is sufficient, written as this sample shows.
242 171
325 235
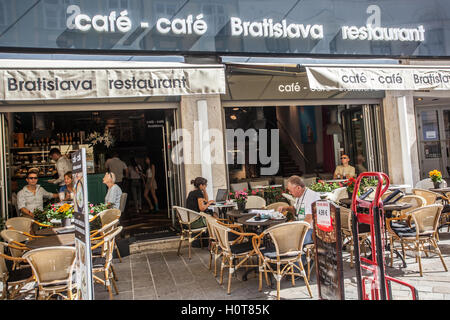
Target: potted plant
350 184
64 213
436 177
322 186
241 199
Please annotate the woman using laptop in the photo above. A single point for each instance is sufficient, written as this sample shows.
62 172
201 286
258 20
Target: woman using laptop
197 200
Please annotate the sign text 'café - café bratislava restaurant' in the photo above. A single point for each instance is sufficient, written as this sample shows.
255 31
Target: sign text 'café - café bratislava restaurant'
304 81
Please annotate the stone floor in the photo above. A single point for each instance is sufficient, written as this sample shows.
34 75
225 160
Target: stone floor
164 275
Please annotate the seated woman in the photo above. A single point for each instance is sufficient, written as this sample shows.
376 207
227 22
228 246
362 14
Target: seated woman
197 200
345 171
112 198
67 188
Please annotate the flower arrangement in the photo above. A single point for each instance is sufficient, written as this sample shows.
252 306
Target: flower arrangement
350 184
436 176
272 195
240 196
101 141
322 186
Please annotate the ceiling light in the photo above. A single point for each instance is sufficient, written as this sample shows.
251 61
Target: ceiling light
233 117
235 109
419 99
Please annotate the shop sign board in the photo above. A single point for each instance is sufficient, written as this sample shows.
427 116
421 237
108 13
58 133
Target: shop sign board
378 78
313 27
328 250
83 262
109 83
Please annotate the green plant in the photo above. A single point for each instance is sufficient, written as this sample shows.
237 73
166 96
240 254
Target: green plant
272 195
322 186
436 176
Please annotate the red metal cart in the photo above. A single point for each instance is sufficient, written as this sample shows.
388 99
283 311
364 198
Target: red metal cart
372 213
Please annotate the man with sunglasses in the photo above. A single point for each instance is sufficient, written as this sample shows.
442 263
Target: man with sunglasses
32 196
345 171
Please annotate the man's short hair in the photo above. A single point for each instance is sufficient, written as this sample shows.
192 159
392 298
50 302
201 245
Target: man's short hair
296 181
54 151
33 171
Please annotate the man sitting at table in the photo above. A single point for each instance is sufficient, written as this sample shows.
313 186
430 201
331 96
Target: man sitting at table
32 196
304 197
345 171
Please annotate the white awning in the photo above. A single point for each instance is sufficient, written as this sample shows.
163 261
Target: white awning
378 77
82 79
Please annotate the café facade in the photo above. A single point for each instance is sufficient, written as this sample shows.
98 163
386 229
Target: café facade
369 79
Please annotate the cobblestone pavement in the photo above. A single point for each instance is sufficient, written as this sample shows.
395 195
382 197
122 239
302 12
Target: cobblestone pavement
164 275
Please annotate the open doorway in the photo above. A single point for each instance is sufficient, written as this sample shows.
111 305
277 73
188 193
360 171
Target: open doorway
136 135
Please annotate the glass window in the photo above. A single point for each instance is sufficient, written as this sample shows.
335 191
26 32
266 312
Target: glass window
430 125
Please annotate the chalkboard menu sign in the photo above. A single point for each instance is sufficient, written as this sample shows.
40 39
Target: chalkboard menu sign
328 250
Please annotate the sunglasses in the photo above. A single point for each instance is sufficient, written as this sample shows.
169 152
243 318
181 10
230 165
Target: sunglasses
344 158
32 178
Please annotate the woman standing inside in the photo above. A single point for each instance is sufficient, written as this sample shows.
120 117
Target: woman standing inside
150 184
135 173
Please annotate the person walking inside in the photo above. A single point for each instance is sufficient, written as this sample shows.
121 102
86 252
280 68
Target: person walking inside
150 184
118 167
136 175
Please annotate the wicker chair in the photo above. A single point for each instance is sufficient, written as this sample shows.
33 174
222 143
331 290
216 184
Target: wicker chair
347 233
214 249
13 280
103 264
106 217
24 224
242 251
185 218
53 270
255 202
288 239
426 222
15 240
430 196
276 205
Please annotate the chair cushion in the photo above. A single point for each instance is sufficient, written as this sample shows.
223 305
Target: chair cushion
241 247
232 236
272 254
19 274
98 262
405 232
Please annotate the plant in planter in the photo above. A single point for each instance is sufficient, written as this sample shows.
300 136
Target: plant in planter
272 195
350 184
436 177
241 199
322 186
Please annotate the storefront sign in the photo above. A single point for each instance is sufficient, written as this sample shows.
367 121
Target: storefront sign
328 250
110 83
376 78
83 262
387 28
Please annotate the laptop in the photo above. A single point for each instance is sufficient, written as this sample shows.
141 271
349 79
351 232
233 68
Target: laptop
221 196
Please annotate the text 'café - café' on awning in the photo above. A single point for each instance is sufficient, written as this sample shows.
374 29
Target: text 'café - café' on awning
371 80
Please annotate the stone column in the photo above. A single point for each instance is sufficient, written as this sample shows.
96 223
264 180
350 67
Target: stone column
204 156
401 137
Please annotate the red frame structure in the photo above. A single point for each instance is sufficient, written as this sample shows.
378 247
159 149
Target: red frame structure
379 281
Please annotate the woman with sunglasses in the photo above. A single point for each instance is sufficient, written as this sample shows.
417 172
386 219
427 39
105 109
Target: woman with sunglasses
345 171
112 198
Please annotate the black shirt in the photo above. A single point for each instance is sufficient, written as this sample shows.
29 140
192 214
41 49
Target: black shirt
192 200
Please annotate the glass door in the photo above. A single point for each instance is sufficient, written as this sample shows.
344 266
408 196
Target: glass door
5 162
434 140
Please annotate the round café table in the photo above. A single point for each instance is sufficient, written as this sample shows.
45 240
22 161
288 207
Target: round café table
55 231
66 239
259 224
222 208
236 214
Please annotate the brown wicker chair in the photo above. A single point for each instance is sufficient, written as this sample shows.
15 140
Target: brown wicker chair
15 240
24 224
53 270
288 239
106 217
429 196
347 233
103 264
13 280
414 237
242 251
186 218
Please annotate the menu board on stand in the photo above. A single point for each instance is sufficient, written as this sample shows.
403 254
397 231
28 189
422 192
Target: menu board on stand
328 250
83 262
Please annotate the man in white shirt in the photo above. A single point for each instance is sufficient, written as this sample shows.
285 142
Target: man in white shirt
304 197
117 166
63 165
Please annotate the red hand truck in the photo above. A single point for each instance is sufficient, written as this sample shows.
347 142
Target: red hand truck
372 213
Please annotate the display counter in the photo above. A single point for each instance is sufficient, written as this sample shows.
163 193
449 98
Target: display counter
96 189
